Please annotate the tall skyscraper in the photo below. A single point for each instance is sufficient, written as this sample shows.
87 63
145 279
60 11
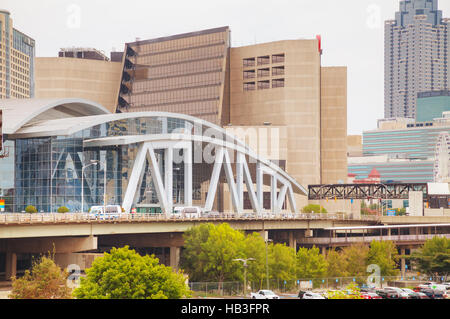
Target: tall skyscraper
416 55
17 52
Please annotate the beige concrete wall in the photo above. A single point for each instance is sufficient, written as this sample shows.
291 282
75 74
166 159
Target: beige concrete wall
296 105
94 80
334 124
354 146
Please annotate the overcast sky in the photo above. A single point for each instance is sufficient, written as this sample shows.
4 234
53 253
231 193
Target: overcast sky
352 32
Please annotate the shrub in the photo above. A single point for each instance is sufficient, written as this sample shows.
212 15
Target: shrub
311 208
30 209
63 210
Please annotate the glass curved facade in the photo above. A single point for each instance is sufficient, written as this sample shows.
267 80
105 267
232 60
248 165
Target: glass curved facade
50 171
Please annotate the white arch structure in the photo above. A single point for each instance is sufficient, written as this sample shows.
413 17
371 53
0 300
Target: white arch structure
45 124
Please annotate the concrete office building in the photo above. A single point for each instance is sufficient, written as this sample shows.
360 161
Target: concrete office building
17 52
78 72
279 84
416 56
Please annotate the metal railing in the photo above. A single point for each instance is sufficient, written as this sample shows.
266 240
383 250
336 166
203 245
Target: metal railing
369 239
24 218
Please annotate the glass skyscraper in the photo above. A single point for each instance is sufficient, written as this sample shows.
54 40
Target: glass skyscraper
416 55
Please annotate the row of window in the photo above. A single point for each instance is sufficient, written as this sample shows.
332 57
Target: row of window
263 85
262 60
250 74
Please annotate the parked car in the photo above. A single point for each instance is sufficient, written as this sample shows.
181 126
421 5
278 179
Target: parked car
433 294
312 295
401 294
264 294
301 293
388 294
414 295
370 295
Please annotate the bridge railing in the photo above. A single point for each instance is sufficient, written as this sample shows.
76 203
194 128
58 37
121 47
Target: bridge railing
24 218
369 239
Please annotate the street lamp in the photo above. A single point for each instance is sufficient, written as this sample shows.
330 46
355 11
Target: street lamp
244 261
267 263
93 162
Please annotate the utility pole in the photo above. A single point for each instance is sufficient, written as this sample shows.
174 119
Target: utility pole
244 261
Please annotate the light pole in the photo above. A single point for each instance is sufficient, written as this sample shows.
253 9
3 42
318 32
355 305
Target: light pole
244 261
267 263
93 162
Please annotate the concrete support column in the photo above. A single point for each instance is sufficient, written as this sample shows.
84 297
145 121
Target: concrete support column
11 265
292 240
403 262
264 234
175 257
324 251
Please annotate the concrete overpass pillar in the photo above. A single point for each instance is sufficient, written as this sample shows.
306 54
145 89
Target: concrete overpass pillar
402 262
292 240
11 265
264 235
175 257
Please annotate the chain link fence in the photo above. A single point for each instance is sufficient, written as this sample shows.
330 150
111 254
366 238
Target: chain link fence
291 287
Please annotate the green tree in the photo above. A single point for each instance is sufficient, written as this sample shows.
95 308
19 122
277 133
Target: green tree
385 255
124 274
45 281
30 209
351 292
336 264
63 210
282 263
191 259
255 247
310 263
433 258
222 246
356 262
316 209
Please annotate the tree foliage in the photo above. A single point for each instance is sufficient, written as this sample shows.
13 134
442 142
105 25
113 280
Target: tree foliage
45 281
311 263
312 208
30 209
124 274
63 210
434 257
282 263
385 255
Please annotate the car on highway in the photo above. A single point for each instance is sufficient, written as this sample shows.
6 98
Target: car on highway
186 212
264 294
105 212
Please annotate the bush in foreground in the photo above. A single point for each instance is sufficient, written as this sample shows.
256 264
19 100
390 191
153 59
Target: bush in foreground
124 274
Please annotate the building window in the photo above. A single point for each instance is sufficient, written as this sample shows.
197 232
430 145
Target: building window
262 85
250 74
279 70
263 72
278 58
249 62
262 60
277 83
249 86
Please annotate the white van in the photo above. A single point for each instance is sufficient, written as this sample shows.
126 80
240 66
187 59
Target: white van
108 212
187 212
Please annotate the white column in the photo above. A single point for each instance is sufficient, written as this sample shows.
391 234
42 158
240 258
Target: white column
188 167
281 198
158 182
168 174
273 194
259 185
135 176
231 183
251 190
240 158
214 179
